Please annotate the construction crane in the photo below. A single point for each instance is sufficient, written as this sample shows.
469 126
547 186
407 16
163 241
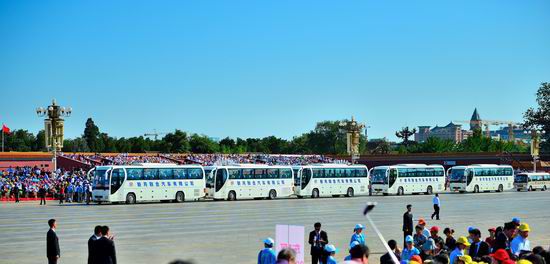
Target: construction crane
155 134
488 123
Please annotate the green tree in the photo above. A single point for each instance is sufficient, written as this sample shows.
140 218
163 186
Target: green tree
404 134
540 117
203 144
19 140
75 145
40 143
177 142
91 135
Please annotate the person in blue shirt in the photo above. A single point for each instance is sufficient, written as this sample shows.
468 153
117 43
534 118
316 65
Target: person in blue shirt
461 244
331 251
409 250
267 255
357 235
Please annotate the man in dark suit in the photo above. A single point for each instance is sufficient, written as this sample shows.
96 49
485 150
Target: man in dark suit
92 244
478 248
52 243
105 248
408 225
317 239
42 194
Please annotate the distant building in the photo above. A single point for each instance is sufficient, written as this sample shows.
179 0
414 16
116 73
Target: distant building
457 134
475 121
451 131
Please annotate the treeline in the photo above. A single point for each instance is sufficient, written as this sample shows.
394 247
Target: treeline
326 138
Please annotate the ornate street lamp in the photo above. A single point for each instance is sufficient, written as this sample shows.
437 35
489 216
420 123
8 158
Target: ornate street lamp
53 127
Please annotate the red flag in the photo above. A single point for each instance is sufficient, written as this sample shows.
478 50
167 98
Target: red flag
5 129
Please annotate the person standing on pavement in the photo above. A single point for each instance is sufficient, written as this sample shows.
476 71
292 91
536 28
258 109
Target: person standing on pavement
267 255
437 206
92 244
53 253
504 238
42 194
358 235
105 248
16 192
318 239
408 225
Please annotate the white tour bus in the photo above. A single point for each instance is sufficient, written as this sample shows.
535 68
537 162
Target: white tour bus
481 177
250 181
407 179
148 182
532 181
327 180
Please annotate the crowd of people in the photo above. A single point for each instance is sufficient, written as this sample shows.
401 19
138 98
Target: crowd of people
202 159
507 244
33 182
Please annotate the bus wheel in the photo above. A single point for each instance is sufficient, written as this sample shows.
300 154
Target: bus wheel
544 188
272 194
315 193
385 194
400 191
429 190
350 192
180 197
530 189
476 189
130 198
232 196
500 188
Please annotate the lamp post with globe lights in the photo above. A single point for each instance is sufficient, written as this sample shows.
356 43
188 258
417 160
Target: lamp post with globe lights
54 127
535 144
353 131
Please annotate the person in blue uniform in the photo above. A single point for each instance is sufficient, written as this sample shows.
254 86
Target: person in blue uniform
358 235
331 251
267 255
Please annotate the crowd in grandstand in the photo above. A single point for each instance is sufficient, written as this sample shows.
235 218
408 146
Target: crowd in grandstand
203 159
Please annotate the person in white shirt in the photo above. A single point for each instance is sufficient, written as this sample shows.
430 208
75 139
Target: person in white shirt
520 243
437 206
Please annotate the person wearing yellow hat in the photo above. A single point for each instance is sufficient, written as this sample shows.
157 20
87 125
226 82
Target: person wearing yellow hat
464 260
461 244
520 243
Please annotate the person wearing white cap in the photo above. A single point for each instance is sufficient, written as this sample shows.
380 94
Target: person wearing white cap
331 251
267 255
358 235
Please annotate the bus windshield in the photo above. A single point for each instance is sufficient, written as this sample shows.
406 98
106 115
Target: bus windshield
378 176
457 175
101 180
521 178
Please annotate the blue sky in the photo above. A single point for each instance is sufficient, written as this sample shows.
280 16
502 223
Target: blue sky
260 68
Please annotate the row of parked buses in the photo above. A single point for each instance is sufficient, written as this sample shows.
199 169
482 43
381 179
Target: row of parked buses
170 182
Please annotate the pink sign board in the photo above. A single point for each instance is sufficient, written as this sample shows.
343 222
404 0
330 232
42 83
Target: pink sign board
292 237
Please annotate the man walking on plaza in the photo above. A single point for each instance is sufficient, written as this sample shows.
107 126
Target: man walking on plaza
92 244
437 206
42 194
105 248
52 243
318 239
408 225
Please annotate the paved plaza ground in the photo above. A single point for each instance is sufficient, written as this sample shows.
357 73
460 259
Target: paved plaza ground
231 232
